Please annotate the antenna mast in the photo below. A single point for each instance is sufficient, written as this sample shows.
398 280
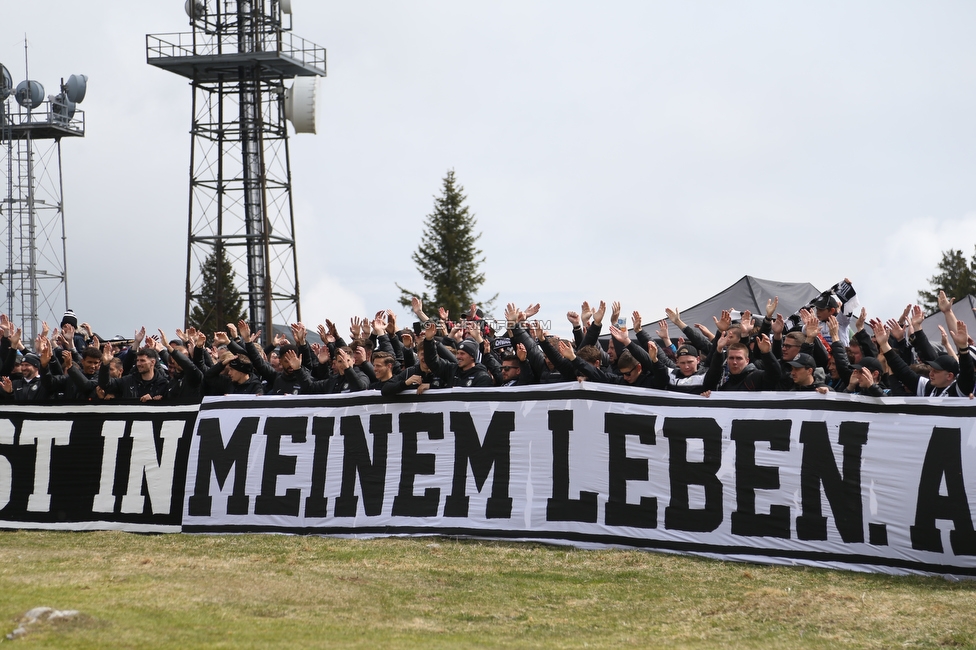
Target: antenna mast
238 58
35 276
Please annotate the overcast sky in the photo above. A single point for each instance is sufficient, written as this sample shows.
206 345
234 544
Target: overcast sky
647 152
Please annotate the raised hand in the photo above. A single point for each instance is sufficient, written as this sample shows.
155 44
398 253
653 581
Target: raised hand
614 312
961 336
299 332
945 303
521 352
707 333
291 360
725 322
861 319
599 313
322 353
511 314
221 338
833 327
391 323
474 331
532 310
652 351
379 323
636 317
764 344
573 318
662 331
917 317
811 326
903 319
675 317
586 313
244 329
566 350
896 329
139 337
771 306
620 335
778 326
747 323
722 342
44 350
880 334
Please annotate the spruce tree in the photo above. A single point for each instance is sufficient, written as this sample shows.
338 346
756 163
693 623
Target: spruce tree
956 277
219 301
447 257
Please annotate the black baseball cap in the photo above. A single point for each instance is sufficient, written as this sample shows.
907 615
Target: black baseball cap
945 362
803 360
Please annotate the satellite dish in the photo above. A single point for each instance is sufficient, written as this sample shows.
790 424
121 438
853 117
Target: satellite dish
285 6
30 94
195 8
6 83
62 106
76 88
300 104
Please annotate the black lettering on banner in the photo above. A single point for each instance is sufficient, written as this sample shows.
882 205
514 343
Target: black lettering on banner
355 460
622 469
943 458
406 503
222 460
817 467
495 452
683 473
317 504
750 477
560 507
275 465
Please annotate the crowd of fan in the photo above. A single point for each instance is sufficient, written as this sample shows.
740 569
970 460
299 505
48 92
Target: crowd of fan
821 348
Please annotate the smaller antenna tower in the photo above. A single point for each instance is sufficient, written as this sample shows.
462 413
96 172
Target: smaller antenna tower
34 276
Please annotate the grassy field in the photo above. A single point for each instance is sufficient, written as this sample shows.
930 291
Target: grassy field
266 591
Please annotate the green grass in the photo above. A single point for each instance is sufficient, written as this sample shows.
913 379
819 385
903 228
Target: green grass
261 591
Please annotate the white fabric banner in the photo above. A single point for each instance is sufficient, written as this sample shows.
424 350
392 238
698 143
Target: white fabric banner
830 481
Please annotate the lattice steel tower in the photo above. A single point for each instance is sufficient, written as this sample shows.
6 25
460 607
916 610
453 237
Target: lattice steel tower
34 276
238 58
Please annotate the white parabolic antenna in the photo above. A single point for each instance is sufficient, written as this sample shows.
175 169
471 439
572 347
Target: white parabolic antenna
30 94
63 106
285 6
76 87
195 8
300 104
6 83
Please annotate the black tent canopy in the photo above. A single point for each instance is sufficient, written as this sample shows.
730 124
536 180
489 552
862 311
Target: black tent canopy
747 293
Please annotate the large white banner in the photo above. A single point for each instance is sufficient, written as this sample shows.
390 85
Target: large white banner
831 481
